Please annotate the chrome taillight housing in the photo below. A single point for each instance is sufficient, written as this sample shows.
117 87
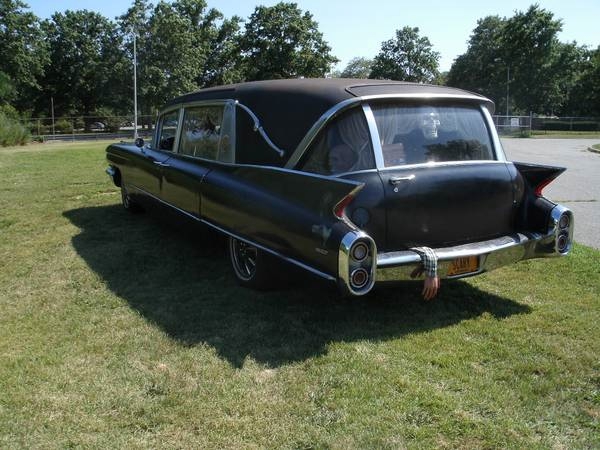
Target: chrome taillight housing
357 263
563 224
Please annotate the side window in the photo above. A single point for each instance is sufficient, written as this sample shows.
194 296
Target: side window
208 132
343 146
168 130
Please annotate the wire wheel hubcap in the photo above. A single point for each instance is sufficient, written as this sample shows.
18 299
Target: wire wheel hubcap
243 257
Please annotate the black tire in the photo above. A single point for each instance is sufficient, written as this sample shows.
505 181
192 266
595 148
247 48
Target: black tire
128 203
251 266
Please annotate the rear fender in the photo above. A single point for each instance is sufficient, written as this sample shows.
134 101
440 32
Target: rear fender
535 209
286 212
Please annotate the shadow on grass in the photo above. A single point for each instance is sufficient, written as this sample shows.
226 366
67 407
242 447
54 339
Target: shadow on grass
177 276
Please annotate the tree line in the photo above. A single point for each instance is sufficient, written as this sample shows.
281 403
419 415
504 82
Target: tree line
82 61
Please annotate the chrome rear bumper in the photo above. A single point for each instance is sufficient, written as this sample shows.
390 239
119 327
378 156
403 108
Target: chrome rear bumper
491 254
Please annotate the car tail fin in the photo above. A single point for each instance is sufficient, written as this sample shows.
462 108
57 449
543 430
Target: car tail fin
538 176
339 210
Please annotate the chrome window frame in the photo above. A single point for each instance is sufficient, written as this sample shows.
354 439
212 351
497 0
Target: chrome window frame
201 103
344 105
158 131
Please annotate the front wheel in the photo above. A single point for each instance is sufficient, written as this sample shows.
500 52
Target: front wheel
252 267
128 203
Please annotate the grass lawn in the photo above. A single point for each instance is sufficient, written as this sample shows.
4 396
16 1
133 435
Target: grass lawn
128 331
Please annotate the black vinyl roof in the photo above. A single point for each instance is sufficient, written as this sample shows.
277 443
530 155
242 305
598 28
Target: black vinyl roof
288 108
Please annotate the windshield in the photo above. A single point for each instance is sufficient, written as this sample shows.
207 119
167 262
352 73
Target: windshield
415 134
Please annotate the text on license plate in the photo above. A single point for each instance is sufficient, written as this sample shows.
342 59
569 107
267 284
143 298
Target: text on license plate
462 265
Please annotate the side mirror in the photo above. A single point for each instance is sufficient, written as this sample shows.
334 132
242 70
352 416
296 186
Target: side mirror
139 142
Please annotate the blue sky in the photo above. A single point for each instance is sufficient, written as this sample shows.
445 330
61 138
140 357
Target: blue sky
355 28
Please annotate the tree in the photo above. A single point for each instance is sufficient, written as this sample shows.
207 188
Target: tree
357 68
181 46
530 47
408 57
283 42
23 53
521 55
87 70
584 97
482 68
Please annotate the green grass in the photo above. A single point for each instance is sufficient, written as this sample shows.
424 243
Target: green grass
128 331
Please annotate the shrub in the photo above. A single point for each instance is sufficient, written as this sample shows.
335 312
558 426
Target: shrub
12 132
63 126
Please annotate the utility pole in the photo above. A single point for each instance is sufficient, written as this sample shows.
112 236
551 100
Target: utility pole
52 107
135 112
507 82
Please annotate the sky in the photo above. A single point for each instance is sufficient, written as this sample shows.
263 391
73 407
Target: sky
354 28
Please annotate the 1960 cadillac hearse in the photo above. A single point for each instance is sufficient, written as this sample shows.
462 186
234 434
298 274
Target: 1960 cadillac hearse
343 177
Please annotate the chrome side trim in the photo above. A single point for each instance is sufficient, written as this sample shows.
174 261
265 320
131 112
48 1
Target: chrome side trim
238 237
258 127
272 252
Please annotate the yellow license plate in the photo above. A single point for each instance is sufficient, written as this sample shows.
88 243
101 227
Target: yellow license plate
463 265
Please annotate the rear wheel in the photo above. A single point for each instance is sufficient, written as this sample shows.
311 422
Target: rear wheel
252 267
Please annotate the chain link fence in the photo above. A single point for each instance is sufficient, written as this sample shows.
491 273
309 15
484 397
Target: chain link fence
524 125
88 127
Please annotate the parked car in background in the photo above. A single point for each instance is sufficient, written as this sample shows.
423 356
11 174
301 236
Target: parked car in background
343 177
97 126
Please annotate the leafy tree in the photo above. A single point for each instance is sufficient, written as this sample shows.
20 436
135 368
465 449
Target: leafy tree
357 68
482 68
23 53
87 63
521 54
283 42
408 57
7 89
584 97
530 46
181 46
134 25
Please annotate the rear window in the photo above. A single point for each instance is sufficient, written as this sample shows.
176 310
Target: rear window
415 134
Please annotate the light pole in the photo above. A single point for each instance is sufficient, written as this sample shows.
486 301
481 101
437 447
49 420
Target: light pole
507 88
135 112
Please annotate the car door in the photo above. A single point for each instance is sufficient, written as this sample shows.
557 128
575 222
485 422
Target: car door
146 172
206 137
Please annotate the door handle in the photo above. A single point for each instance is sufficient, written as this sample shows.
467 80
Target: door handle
161 164
397 180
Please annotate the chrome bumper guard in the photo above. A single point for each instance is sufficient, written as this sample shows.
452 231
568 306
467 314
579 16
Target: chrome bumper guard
492 254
